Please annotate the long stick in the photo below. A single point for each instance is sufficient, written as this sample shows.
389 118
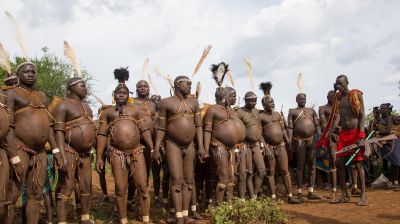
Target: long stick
356 152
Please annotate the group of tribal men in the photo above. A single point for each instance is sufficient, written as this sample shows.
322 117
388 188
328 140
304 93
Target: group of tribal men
224 145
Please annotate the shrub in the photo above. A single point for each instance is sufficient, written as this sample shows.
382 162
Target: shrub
261 211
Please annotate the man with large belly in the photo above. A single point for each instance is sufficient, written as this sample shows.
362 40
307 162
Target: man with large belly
252 165
223 130
123 125
179 121
4 167
350 109
75 135
302 124
30 129
275 137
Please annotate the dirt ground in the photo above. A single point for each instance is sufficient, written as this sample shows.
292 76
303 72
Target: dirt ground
383 207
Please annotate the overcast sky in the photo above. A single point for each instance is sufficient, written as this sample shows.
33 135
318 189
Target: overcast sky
321 39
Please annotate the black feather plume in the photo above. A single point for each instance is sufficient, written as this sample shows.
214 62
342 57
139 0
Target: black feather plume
122 74
266 88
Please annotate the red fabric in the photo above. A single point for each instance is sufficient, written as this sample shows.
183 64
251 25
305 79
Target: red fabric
349 137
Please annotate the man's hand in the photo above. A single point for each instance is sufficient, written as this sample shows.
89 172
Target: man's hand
334 137
202 155
269 154
18 168
100 165
156 156
60 162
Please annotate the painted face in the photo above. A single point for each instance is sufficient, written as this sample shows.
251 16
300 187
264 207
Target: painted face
342 84
81 89
185 86
251 103
27 75
301 100
231 97
269 104
121 96
142 89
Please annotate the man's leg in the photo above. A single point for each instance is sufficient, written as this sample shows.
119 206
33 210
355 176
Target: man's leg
242 173
188 180
156 170
311 162
332 168
300 153
271 163
138 167
120 171
35 180
341 169
103 182
259 166
283 164
16 186
175 166
221 157
4 179
85 183
65 186
360 168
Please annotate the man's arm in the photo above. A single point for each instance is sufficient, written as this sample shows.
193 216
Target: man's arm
290 125
161 128
145 131
10 138
102 137
361 118
199 130
316 122
58 134
208 126
322 118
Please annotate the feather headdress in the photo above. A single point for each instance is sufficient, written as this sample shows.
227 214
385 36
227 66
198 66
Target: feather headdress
300 83
266 88
20 36
218 72
249 68
5 60
152 84
166 77
230 77
144 68
206 51
121 74
69 53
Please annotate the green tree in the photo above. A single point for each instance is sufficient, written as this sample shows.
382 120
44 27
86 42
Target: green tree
53 73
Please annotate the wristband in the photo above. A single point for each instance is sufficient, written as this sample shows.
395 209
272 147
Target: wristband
15 160
56 150
262 145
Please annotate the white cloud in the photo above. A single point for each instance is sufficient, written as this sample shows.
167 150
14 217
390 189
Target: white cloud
321 39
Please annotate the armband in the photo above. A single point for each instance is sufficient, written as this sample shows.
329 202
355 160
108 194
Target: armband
102 133
12 125
55 151
144 129
161 129
207 130
59 129
15 160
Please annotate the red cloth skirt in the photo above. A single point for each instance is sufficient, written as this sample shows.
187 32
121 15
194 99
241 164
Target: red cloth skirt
349 137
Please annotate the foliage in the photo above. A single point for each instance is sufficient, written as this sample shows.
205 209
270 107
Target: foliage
52 73
260 211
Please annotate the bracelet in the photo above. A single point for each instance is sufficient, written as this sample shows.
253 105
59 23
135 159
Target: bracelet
15 160
56 150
